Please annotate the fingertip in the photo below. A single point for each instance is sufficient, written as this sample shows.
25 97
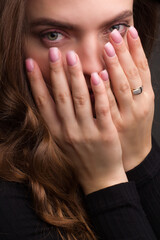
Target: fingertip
109 50
54 54
104 75
133 32
95 79
134 41
71 58
29 65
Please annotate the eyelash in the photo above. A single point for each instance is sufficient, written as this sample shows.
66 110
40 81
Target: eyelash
56 33
121 24
45 36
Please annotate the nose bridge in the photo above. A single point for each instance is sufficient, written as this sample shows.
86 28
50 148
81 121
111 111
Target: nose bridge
90 51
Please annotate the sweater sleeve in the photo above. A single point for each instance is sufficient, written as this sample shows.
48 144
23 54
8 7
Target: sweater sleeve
147 180
116 214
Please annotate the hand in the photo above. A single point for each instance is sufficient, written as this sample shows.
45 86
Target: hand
132 114
91 144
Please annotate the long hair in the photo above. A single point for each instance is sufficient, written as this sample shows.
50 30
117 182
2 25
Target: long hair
146 21
29 155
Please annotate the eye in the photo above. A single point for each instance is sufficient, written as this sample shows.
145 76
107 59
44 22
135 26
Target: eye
121 28
52 36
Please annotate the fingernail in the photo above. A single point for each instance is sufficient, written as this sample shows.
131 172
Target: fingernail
29 65
54 54
109 49
133 32
116 36
104 75
71 58
95 78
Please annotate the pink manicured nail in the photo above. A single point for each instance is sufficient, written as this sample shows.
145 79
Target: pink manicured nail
133 32
95 78
109 49
116 36
104 75
29 65
54 54
71 58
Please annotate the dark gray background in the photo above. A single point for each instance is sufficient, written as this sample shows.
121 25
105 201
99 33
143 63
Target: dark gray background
155 71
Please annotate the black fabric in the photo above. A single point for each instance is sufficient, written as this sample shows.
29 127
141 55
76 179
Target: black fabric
127 211
18 220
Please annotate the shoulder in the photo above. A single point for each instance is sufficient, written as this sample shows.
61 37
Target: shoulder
10 189
18 219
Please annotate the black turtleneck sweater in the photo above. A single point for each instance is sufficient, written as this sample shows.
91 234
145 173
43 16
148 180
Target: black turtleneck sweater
127 211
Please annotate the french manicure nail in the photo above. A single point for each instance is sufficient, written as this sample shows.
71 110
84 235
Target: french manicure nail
104 75
95 78
71 58
116 36
29 65
109 49
54 54
133 32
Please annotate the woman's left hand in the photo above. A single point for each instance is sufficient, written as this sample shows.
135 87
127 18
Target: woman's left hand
132 114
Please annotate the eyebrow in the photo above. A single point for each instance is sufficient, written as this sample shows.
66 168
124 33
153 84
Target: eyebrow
71 26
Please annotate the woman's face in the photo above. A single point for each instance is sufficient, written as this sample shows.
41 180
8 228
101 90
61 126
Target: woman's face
79 25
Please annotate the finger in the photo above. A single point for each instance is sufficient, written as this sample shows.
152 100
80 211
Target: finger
42 97
125 59
80 93
112 101
60 89
138 55
103 116
119 81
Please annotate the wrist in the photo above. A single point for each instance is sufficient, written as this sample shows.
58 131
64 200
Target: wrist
104 182
134 161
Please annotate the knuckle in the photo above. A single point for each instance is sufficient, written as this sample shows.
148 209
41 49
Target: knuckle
148 108
61 97
132 72
114 63
70 138
143 114
121 49
143 65
100 90
41 101
112 102
108 138
75 71
102 111
89 139
124 88
119 126
150 96
80 99
56 67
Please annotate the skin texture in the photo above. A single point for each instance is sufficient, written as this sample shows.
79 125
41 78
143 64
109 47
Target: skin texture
102 149
87 39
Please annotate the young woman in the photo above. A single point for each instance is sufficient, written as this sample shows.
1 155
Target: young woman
76 113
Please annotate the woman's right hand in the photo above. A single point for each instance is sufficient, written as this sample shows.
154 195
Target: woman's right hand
92 144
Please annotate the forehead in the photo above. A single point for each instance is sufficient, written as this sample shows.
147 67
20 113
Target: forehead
81 12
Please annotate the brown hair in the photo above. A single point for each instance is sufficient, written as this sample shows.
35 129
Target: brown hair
28 153
145 21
